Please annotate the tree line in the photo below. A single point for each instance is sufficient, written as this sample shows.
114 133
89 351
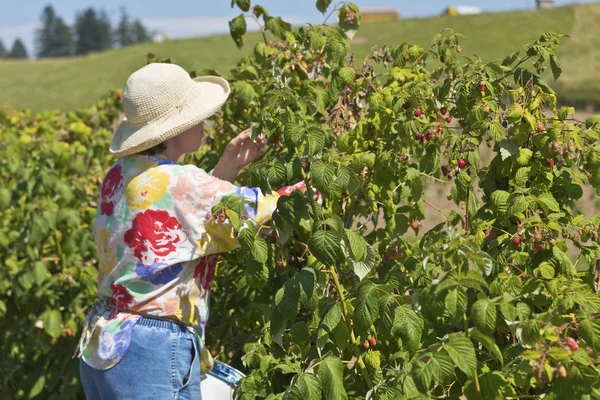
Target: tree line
92 32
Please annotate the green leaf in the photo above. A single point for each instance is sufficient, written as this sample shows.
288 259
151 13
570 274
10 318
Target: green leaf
422 376
316 140
409 327
514 113
461 351
589 330
38 386
260 250
332 318
483 313
278 325
555 66
237 29
456 303
323 5
508 149
522 176
244 5
287 300
52 320
325 246
306 387
489 343
347 74
245 93
331 374
593 122
524 156
40 272
306 281
366 310
548 203
277 26
546 270
497 131
499 201
358 244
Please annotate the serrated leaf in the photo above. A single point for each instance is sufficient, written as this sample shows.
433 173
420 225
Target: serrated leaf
244 5
483 313
499 201
489 343
524 156
497 131
409 326
277 26
323 5
508 149
593 122
325 246
555 66
260 250
52 320
287 300
331 374
522 176
546 270
461 351
456 303
237 29
548 203
358 244
332 317
422 376
306 387
366 310
316 140
278 325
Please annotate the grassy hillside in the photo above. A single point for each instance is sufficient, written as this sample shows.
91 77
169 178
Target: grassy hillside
75 82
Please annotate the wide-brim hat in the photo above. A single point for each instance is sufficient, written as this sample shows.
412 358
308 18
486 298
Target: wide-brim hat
162 101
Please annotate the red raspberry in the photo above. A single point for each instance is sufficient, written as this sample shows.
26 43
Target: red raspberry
448 119
462 163
373 341
550 163
417 113
572 343
517 241
443 110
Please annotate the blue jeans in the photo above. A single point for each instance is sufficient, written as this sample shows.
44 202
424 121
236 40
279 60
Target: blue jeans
161 362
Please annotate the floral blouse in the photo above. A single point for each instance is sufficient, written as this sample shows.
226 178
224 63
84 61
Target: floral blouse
157 244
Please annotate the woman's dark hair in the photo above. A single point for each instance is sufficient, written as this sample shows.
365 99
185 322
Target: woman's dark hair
155 150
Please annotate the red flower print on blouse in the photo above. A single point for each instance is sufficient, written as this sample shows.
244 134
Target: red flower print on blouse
154 234
120 296
113 183
205 271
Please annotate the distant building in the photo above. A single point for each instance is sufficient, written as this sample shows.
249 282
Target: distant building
160 38
462 10
378 14
545 3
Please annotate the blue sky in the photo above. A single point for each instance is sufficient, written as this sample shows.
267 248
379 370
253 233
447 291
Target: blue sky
189 18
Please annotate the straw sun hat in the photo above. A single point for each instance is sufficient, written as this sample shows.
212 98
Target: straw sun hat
161 101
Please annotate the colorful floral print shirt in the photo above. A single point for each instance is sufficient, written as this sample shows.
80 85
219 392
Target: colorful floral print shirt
157 247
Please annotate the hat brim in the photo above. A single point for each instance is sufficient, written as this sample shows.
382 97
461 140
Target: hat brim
206 98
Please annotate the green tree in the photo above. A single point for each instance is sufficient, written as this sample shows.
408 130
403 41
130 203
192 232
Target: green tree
93 32
18 50
124 32
54 39
2 49
140 32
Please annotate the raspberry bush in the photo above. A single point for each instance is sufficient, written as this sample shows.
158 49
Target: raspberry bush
335 299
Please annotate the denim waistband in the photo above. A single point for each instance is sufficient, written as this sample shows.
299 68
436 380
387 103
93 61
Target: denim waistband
162 324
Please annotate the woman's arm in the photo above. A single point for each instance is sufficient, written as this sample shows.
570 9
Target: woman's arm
240 152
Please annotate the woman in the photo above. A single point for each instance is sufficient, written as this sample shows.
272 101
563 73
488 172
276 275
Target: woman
157 241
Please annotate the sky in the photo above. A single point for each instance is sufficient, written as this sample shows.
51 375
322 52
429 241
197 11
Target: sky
191 18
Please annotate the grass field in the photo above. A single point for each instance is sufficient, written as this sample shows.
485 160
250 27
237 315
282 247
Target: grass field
76 82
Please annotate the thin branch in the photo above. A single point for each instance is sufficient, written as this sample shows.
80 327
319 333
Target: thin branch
262 28
435 208
436 179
